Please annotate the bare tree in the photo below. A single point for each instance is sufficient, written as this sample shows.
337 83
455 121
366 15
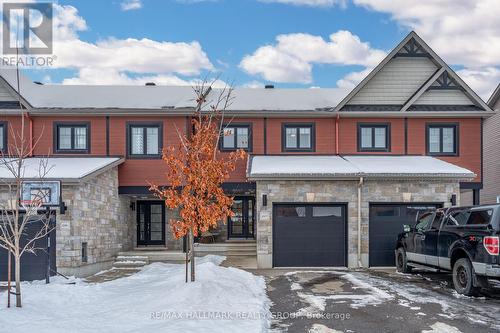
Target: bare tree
16 216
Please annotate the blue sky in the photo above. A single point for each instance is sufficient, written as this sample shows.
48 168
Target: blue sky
238 40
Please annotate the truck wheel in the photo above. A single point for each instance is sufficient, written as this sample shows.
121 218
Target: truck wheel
401 261
463 277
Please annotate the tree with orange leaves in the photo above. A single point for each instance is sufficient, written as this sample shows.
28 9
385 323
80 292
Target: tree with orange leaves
196 171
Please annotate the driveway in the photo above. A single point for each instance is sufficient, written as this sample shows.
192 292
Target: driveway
376 301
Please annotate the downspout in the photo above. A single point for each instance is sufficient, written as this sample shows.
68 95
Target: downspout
360 185
31 134
337 120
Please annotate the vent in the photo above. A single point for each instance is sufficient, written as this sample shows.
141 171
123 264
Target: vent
150 84
269 86
38 82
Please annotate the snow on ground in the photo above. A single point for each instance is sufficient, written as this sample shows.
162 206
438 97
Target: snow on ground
155 299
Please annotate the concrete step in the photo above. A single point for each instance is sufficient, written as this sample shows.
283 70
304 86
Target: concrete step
155 256
131 258
129 264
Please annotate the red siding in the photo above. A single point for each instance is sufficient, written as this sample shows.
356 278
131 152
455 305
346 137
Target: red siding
469 141
348 138
138 172
324 128
43 131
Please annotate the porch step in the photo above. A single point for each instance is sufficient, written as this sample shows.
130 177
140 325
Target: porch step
154 256
124 261
241 248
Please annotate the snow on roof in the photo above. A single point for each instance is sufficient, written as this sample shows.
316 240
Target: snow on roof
300 166
168 97
66 169
353 166
407 166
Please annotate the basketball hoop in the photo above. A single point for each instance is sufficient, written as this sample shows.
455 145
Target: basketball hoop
32 203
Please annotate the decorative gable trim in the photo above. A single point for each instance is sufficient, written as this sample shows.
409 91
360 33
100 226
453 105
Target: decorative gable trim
412 49
445 82
406 46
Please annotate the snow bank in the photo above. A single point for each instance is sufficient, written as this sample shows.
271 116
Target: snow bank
156 299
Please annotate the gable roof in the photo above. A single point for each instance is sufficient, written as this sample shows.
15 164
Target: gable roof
494 97
414 46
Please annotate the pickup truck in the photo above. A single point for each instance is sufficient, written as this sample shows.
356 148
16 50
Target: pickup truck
463 240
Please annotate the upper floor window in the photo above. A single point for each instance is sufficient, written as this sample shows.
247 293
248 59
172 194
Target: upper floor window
72 138
373 137
298 137
236 136
144 140
442 139
3 137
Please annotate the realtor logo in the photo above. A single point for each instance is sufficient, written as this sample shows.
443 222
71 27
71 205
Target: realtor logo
27 27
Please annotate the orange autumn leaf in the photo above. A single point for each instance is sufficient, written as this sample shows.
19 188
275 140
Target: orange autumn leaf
196 171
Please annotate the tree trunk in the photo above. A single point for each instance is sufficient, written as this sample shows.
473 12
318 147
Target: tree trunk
186 242
18 279
191 241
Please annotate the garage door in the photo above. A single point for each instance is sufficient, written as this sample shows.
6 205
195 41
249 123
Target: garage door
306 235
33 265
386 222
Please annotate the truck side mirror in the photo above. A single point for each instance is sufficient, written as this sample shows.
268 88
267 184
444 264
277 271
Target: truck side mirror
406 228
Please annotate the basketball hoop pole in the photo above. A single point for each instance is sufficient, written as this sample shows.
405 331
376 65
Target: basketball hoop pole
9 272
47 277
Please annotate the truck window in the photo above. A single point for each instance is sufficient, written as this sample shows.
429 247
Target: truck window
480 217
424 221
458 218
437 221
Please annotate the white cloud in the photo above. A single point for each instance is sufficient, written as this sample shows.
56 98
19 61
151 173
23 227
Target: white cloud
463 32
352 79
131 5
310 3
122 61
291 59
483 81
253 84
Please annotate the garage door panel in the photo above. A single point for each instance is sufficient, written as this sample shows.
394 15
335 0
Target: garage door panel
314 236
386 222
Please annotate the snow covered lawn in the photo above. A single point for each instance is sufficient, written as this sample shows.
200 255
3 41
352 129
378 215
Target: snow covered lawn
156 300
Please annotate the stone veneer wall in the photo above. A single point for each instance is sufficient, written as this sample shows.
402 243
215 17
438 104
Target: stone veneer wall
98 216
344 192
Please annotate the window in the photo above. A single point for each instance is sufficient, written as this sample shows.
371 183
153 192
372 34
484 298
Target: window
72 137
144 140
424 221
386 211
326 211
298 137
236 137
442 139
291 211
373 137
3 137
480 217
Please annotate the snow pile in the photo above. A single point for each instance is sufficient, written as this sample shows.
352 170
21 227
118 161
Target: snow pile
156 299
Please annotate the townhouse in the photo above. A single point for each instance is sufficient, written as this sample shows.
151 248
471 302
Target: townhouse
331 175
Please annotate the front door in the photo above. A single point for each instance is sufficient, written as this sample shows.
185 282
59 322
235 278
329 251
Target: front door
241 225
150 223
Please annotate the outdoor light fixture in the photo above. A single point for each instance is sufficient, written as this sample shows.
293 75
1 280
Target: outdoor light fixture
264 200
453 200
132 206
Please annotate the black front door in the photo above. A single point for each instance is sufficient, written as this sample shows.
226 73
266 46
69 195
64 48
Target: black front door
150 223
241 225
